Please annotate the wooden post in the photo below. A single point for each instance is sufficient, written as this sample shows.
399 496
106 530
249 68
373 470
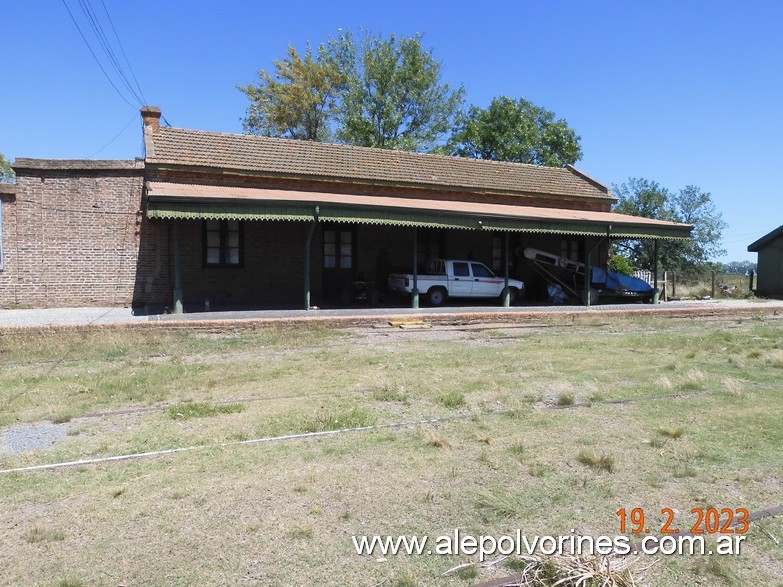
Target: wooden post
751 275
713 285
674 284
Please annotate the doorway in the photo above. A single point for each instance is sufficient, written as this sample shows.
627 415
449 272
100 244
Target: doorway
339 248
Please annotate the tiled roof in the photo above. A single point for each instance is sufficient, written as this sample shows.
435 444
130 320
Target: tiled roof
286 157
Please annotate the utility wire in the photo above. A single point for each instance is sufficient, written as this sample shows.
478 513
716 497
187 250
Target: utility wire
103 41
116 89
124 128
116 36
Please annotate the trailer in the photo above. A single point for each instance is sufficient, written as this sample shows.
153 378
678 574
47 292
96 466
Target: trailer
567 276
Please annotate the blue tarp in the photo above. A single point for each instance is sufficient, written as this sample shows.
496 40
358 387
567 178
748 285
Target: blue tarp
612 280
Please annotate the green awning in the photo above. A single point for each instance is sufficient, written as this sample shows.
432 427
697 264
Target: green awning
195 201
614 230
190 211
397 218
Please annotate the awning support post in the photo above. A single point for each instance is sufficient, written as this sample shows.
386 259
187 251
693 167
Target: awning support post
506 292
177 273
415 291
588 272
308 244
655 273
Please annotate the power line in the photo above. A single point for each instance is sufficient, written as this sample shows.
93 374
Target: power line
116 36
127 90
124 128
116 89
103 41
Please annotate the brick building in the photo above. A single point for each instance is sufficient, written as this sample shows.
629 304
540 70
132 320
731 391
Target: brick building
242 220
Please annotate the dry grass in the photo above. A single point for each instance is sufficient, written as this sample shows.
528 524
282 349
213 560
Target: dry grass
436 439
300 501
573 571
600 462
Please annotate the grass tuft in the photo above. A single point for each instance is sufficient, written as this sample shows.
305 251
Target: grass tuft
602 462
354 418
188 411
483 438
505 505
301 533
436 439
673 433
453 399
565 398
36 534
693 380
389 394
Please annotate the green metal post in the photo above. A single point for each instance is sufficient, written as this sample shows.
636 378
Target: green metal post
308 243
415 292
506 292
588 276
177 274
656 293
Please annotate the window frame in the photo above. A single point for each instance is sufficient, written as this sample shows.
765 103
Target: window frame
224 233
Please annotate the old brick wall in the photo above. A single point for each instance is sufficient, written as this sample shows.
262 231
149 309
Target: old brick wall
71 235
272 271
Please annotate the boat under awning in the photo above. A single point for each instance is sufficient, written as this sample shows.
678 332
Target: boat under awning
188 201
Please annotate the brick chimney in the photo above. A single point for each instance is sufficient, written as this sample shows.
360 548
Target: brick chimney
150 116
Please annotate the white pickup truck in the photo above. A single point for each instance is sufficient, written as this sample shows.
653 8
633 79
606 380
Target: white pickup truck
456 279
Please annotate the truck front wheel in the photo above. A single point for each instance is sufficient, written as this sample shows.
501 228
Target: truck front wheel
436 296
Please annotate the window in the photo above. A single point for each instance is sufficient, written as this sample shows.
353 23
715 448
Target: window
480 270
497 254
569 248
461 270
223 243
338 249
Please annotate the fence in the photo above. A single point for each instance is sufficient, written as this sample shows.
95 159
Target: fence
649 277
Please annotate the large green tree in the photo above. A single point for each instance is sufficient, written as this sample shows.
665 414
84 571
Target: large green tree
394 97
7 174
375 92
642 197
516 130
299 101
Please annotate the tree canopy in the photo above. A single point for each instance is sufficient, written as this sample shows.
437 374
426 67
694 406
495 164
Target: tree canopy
7 174
642 197
394 97
299 102
377 92
518 131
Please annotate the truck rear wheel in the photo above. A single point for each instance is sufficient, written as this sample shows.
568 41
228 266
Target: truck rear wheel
513 296
436 296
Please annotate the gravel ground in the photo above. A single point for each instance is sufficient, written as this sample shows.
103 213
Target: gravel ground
26 437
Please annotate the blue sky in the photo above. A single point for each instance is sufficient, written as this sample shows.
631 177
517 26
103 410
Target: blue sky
674 91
